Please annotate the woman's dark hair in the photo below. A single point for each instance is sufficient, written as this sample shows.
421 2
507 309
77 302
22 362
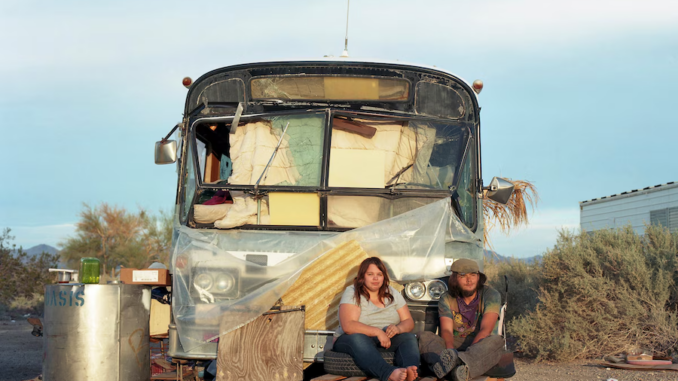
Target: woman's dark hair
359 281
453 284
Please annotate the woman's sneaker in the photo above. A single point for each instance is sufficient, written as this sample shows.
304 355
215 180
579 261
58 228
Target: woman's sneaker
449 359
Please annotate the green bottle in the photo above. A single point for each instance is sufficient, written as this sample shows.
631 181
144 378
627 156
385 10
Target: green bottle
90 269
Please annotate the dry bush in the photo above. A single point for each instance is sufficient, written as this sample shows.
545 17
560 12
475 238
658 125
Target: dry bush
511 215
23 303
523 280
603 293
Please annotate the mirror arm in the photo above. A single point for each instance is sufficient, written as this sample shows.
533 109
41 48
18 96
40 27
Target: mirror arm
164 140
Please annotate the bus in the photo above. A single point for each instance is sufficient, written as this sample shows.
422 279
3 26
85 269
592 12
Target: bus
280 162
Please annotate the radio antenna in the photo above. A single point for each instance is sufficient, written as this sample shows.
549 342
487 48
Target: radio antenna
345 52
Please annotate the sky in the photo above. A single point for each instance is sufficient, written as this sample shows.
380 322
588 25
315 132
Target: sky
578 99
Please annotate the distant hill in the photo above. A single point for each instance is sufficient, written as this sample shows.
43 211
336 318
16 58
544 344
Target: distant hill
42 248
498 257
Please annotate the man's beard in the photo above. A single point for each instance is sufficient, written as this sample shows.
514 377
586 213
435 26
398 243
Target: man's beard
467 294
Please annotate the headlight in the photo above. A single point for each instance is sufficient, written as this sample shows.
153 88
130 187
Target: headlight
225 282
436 289
415 290
203 281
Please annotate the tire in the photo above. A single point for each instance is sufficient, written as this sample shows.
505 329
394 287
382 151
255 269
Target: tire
342 364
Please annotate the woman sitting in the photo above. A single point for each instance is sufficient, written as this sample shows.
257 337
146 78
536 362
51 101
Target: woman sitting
374 317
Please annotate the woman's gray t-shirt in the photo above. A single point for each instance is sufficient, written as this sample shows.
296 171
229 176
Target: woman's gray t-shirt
372 315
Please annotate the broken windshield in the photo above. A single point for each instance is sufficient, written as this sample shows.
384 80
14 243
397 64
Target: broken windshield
260 160
374 152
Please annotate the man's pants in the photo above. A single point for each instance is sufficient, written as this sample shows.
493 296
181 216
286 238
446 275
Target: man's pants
479 357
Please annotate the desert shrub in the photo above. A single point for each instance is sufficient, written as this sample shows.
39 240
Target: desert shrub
28 304
603 293
523 279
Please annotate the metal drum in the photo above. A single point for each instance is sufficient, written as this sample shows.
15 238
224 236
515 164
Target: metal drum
96 332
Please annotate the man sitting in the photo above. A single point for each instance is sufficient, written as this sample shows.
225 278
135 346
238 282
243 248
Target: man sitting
469 311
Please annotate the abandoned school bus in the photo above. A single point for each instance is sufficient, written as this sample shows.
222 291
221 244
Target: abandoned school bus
292 173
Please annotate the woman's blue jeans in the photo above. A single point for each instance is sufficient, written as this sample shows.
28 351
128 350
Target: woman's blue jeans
365 351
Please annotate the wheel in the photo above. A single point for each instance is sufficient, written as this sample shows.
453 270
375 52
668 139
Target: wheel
342 364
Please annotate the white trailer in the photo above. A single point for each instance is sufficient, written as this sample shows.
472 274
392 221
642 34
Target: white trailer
657 205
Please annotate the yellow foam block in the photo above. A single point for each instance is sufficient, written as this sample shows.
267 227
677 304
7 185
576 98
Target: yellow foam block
294 208
356 168
321 284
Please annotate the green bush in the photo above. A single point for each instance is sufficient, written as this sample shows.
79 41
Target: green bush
603 293
22 276
523 279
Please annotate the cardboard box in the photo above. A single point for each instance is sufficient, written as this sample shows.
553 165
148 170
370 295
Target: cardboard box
153 277
160 318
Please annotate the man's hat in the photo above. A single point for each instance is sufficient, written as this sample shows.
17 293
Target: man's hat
465 266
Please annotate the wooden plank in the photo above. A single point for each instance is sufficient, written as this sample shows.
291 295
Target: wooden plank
269 348
428 379
356 379
329 377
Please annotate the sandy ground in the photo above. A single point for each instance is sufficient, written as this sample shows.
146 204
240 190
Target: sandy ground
21 359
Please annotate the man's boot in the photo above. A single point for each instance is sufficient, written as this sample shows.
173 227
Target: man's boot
460 373
449 359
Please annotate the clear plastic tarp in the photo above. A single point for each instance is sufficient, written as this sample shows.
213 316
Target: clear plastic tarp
224 279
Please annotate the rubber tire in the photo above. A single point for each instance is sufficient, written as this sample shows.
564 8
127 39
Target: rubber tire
342 364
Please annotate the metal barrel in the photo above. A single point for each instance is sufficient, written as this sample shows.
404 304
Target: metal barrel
96 332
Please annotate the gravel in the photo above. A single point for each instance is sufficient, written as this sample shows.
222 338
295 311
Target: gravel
20 352
583 370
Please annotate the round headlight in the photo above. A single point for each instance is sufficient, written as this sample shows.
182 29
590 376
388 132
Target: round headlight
436 289
415 290
225 282
203 281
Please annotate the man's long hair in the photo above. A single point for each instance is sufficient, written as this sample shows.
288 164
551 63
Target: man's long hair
455 290
359 281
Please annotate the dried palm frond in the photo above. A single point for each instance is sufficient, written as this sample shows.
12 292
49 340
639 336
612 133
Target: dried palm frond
511 215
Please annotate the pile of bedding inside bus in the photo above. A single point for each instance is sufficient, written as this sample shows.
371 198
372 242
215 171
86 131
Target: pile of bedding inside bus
364 154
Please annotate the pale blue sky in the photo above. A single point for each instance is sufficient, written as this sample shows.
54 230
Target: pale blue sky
579 95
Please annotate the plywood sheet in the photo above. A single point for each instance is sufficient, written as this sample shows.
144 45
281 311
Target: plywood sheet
322 283
269 348
356 168
286 208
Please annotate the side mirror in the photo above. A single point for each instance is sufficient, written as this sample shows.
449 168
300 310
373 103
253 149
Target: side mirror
500 190
165 152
